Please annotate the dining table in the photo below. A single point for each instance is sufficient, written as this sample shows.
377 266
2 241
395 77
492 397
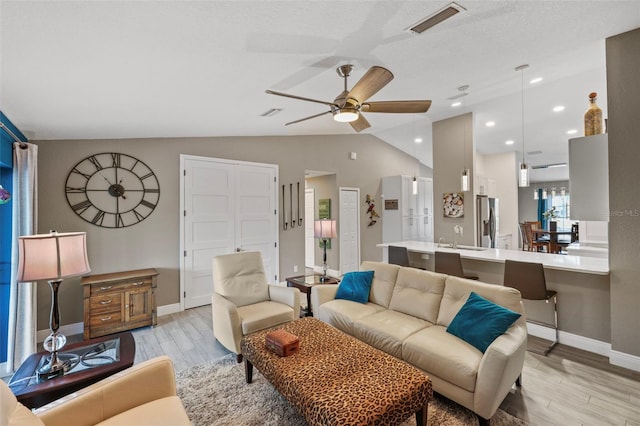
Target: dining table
554 244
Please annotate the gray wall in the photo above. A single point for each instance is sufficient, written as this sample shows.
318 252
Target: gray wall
448 146
155 241
623 100
325 187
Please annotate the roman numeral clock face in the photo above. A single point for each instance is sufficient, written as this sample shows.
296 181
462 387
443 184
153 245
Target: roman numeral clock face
112 190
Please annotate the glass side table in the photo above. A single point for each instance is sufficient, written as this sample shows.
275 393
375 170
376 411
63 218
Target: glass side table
96 359
304 283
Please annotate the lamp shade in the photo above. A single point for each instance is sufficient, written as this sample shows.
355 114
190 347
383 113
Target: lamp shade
52 256
324 228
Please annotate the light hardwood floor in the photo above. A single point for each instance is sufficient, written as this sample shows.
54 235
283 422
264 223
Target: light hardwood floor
567 387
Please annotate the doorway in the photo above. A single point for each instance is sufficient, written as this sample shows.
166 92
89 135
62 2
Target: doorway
226 206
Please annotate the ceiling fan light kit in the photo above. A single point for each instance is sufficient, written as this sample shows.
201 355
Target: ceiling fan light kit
348 106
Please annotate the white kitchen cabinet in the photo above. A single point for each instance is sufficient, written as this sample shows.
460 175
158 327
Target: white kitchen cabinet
406 216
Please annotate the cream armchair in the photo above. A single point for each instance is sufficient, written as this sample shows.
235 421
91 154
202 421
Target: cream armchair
143 395
243 301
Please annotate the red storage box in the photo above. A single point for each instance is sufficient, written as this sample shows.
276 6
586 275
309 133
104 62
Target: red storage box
282 342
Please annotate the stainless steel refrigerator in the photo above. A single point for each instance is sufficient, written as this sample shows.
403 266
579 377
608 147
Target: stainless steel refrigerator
487 221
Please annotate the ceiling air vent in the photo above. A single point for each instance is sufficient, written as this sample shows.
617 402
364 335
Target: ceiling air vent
435 18
549 166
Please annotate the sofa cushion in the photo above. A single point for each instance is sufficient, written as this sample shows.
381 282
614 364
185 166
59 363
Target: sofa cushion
355 286
418 293
479 322
457 290
342 313
13 413
386 330
167 411
441 354
384 280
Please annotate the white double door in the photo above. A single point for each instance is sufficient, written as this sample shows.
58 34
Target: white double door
227 206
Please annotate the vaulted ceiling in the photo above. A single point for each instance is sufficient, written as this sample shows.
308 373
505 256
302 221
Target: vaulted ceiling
138 69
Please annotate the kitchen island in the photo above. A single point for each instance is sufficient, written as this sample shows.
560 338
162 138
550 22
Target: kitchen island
582 283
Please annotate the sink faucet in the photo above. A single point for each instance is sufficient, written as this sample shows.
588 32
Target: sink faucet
443 243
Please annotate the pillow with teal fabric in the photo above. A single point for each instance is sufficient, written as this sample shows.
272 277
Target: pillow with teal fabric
355 286
480 321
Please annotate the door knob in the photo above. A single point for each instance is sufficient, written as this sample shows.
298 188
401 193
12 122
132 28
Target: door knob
238 250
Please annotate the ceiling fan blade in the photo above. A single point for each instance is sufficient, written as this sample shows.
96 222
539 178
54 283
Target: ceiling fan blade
370 83
286 95
397 106
308 118
360 124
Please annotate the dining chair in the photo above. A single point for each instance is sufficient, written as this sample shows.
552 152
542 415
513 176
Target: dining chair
526 244
529 279
451 264
536 242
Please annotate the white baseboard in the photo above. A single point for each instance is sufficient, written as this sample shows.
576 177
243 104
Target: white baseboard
569 339
621 359
169 309
78 327
67 330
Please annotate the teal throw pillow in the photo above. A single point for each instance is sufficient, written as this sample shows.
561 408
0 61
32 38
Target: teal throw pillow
355 286
480 321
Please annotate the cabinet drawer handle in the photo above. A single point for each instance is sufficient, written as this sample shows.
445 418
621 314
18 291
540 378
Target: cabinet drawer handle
106 288
138 283
105 318
105 302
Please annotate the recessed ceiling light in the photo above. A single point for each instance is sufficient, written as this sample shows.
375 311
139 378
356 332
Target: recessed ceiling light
535 80
558 108
509 142
572 132
490 123
456 104
418 140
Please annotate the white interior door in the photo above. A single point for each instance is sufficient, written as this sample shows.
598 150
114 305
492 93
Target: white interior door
349 229
256 214
209 222
309 217
226 206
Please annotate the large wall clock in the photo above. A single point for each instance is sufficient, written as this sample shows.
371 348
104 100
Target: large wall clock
112 190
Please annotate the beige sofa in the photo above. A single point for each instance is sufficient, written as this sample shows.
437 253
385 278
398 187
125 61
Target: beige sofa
407 316
143 395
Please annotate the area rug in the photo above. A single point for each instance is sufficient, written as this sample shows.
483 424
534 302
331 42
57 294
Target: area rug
216 393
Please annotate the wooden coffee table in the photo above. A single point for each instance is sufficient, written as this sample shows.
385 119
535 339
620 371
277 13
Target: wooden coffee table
304 284
335 379
34 394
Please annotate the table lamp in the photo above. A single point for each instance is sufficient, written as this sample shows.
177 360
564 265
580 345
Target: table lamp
53 257
325 229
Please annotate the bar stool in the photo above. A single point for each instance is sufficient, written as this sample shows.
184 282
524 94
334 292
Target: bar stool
398 256
528 278
451 264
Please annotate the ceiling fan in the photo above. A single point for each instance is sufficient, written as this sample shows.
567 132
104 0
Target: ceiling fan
348 106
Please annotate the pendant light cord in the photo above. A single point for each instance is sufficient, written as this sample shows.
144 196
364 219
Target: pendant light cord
522 109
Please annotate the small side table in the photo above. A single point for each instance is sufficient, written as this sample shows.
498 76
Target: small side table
304 284
33 394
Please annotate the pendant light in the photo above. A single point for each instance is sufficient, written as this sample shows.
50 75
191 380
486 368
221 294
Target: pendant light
414 184
523 177
465 184
544 193
563 191
535 194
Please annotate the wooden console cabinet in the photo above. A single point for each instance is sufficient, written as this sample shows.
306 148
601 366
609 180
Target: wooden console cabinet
119 301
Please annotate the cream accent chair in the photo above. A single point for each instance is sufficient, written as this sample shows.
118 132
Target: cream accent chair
244 302
143 395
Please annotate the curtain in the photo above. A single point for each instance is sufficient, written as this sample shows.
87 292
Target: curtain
22 298
542 207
